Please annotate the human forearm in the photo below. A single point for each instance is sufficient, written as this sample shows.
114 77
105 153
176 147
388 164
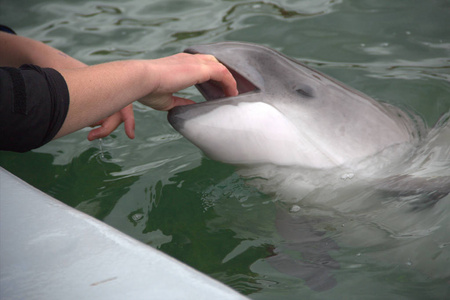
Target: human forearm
18 50
99 91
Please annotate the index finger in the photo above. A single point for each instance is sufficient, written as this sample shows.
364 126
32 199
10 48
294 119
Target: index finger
225 79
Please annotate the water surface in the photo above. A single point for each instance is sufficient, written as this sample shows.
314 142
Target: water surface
163 191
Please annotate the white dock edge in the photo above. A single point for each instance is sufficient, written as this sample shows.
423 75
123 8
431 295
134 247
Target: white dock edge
49 250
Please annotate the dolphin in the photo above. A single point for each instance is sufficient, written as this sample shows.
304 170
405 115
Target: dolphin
286 114
301 134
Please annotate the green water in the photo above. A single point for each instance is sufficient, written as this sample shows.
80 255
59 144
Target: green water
163 191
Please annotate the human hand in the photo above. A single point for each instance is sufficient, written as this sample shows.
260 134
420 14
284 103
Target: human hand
177 72
109 124
102 90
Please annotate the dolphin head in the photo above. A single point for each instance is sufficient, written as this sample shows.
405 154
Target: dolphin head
285 114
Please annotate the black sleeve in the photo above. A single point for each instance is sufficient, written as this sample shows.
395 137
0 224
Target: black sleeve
7 29
33 106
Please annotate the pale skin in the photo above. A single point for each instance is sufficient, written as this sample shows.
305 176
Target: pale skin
102 95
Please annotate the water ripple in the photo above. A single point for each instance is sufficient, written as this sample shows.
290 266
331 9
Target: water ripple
142 169
102 9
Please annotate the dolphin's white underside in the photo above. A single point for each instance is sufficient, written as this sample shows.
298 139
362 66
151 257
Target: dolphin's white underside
258 133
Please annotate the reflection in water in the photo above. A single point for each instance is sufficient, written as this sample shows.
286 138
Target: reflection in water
85 183
265 8
315 265
400 215
181 210
103 9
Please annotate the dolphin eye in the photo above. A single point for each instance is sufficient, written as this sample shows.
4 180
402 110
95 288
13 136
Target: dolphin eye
305 91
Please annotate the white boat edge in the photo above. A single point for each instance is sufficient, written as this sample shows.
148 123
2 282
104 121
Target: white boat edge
49 250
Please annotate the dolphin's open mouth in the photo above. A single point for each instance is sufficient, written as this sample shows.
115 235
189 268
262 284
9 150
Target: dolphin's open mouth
211 90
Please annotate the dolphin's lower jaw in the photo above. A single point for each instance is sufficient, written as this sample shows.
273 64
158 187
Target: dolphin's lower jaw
269 136
285 114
